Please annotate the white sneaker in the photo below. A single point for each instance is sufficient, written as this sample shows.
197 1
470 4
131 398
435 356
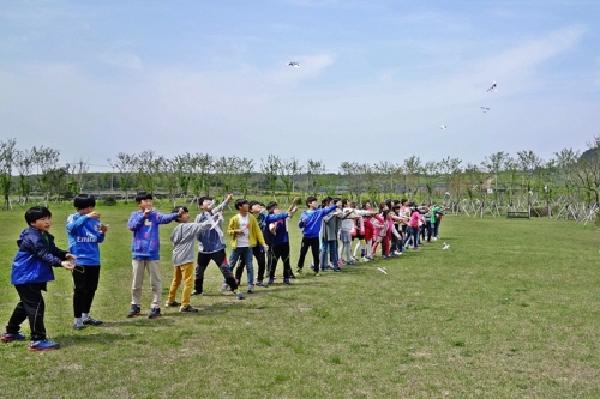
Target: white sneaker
398 253
364 259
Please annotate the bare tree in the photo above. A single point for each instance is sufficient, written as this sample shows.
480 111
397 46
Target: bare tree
24 163
269 168
125 165
8 154
288 170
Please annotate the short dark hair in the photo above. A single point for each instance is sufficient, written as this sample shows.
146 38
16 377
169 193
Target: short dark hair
253 202
271 205
239 203
177 208
142 195
309 200
84 201
202 199
37 212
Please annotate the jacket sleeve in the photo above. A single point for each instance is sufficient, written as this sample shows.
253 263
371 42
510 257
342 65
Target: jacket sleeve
196 228
259 235
220 207
165 219
35 245
273 217
74 222
328 209
231 227
136 220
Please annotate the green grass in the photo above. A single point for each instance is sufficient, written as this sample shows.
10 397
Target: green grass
510 310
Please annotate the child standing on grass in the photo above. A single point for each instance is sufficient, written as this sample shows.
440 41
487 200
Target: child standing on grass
85 232
415 220
310 223
245 234
183 238
211 245
145 251
279 243
31 271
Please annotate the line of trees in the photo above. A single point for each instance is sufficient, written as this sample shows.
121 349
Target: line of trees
499 177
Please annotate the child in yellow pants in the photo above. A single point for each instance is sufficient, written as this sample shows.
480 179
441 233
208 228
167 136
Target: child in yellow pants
183 238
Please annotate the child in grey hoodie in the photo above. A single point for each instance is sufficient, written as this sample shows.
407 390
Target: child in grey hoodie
183 237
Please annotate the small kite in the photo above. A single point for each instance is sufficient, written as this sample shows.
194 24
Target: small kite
485 109
294 64
493 86
382 270
443 127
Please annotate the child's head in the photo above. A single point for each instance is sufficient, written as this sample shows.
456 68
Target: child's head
271 206
391 214
241 205
256 207
205 203
39 217
184 216
326 201
144 200
403 201
311 202
84 203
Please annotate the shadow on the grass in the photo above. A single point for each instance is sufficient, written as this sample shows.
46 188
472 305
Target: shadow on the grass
85 339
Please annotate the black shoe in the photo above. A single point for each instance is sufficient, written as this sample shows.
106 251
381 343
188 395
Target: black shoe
154 313
299 270
260 284
134 311
287 281
92 322
78 327
196 292
250 292
188 309
172 304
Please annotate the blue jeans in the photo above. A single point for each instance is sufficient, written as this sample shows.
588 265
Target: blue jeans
243 253
331 247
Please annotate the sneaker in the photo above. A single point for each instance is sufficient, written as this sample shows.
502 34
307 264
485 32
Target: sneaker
299 271
364 259
292 276
154 313
239 296
188 309
134 311
92 322
337 269
250 288
172 304
271 281
260 284
287 281
78 327
43 345
9 337
250 291
317 274
195 292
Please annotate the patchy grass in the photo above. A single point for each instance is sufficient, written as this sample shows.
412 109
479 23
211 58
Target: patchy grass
510 310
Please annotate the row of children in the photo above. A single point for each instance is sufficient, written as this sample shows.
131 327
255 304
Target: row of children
253 228
395 225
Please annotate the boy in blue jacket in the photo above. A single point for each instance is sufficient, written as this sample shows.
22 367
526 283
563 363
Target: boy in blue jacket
310 223
145 251
31 271
85 232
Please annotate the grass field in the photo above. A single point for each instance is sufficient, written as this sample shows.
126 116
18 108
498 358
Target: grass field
511 310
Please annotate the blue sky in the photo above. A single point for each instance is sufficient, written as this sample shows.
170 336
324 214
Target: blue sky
377 78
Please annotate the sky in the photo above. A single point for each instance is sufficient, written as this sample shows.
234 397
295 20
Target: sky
376 80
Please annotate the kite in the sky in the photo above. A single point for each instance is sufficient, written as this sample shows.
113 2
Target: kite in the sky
294 64
443 127
493 86
485 109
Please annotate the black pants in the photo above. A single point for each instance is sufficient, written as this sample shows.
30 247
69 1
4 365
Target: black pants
436 227
203 261
30 306
85 281
259 254
280 251
313 243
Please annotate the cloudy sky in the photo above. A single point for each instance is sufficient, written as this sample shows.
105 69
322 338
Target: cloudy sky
377 78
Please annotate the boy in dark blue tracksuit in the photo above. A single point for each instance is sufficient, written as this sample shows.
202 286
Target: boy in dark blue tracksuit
85 232
31 271
310 223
